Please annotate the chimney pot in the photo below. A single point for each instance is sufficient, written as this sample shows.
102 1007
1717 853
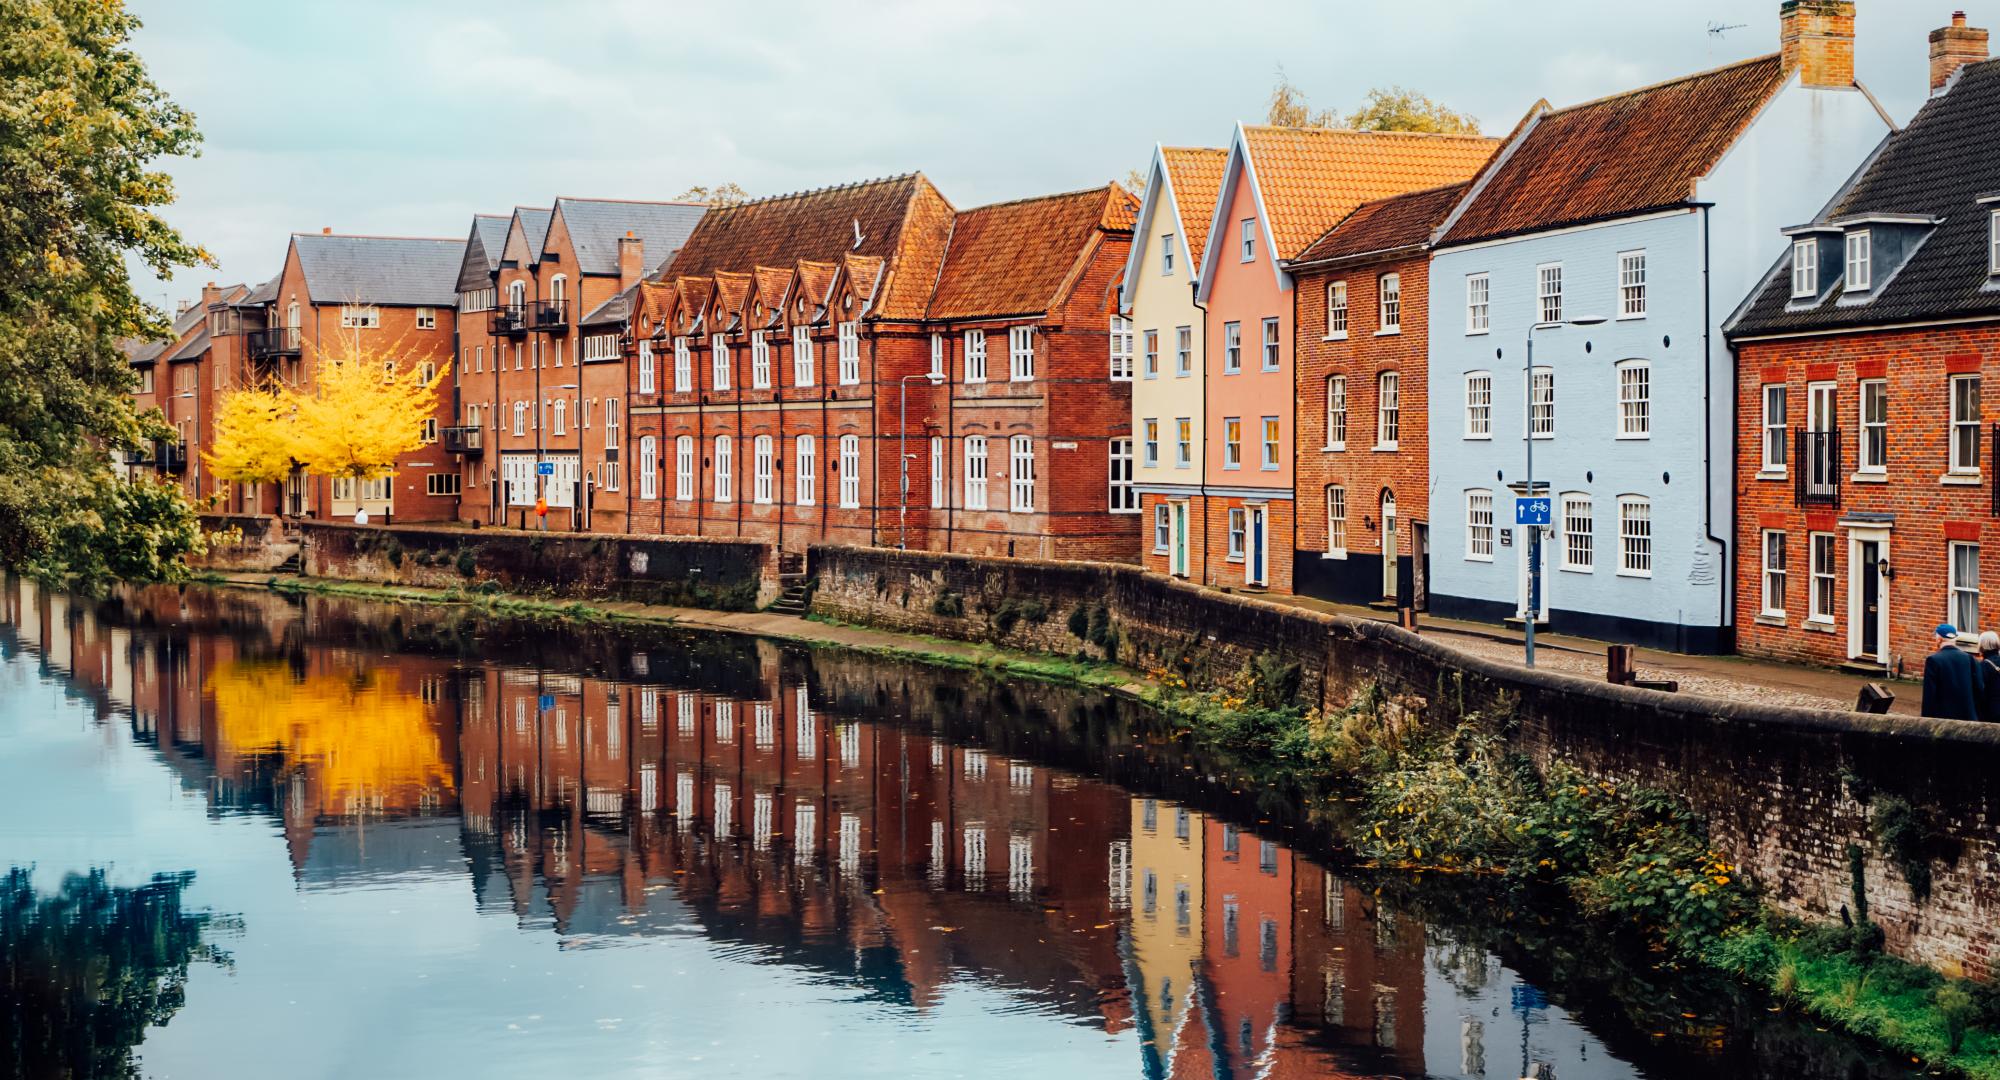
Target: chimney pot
1816 39
326 230
1953 47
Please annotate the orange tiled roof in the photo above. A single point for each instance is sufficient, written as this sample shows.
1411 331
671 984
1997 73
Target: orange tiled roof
1637 151
864 273
731 289
1310 178
812 280
692 294
1196 175
1400 221
1017 258
771 282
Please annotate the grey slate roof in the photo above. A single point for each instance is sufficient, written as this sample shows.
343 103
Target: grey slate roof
482 251
1939 166
262 294
141 352
613 312
389 270
193 348
534 226
595 226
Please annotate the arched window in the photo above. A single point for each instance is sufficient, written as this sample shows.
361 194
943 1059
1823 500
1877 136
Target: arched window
807 473
558 287
1336 521
1635 399
517 293
1336 412
850 470
764 470
1388 410
684 468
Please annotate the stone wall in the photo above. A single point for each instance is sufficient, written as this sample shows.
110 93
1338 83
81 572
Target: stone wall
683 571
263 546
1784 790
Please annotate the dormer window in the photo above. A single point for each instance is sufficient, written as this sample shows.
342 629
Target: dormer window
1860 261
1805 268
1993 242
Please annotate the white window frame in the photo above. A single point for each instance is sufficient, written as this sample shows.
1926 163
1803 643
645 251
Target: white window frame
802 356
718 350
1388 409
1823 549
1183 351
649 467
1124 496
1021 354
975 472
684 468
645 366
1232 442
805 482
975 356
1166 254
1965 430
1021 474
1270 438
1958 592
1336 522
1336 412
1878 390
850 472
1163 528
725 468
1336 311
1579 533
1121 349
1632 284
559 413
938 451
936 370
1993 242
1271 345
1805 268
426 318
1149 429
1479 405
1635 399
360 317
1246 234
760 361
1232 348
850 353
683 366
1774 575
1150 367
1860 248
1478 303
1480 531
1635 536
1183 442
1542 403
1389 304
1549 294
1239 533
763 471
520 419
1775 406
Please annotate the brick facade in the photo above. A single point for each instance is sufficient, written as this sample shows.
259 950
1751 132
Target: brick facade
1915 508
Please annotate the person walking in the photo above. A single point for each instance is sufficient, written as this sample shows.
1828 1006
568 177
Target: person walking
1953 686
1989 674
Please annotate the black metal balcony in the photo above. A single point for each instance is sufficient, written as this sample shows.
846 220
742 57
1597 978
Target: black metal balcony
508 320
139 455
548 316
468 441
1818 463
273 343
172 458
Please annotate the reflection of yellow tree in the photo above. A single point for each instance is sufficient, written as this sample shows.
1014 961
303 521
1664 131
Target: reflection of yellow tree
360 737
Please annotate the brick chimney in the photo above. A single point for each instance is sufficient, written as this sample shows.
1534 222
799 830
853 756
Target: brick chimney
1953 47
1816 38
210 294
326 230
631 260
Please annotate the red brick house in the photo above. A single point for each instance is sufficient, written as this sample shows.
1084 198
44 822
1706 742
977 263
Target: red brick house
1865 482
1362 327
179 377
799 348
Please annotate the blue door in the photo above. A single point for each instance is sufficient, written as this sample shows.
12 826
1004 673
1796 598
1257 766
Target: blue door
1257 545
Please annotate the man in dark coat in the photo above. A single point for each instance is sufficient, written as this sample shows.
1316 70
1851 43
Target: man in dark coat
1952 683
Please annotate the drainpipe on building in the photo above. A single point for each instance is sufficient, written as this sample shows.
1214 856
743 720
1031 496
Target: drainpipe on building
736 380
874 437
1201 452
1723 627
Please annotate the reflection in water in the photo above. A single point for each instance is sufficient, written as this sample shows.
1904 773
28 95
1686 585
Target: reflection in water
86 970
894 831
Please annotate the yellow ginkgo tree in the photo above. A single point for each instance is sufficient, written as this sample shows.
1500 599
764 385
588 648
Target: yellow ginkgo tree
362 411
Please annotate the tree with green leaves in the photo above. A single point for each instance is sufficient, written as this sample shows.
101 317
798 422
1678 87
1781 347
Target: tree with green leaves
1384 109
721 195
82 127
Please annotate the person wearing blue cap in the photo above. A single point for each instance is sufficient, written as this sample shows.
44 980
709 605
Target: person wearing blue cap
1952 682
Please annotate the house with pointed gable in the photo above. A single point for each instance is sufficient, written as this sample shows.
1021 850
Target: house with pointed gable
1156 299
1610 240
1865 476
1281 189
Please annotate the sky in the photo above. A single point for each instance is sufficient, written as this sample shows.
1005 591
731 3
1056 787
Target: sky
406 117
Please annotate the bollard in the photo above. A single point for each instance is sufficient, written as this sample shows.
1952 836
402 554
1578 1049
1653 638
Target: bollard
1618 666
1874 698
1406 617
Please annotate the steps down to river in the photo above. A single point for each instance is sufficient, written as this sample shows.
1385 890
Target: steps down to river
792 595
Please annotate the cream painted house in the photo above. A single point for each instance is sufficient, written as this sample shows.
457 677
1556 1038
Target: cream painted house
1158 297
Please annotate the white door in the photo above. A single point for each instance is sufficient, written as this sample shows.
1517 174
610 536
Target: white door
1390 546
1867 595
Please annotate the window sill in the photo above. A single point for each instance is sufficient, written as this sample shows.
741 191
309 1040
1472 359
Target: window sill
1336 448
1770 619
1333 554
1959 479
1335 337
1232 371
1576 569
1630 318
1479 438
1818 625
1383 448
1233 558
1477 333
1184 374
1643 575
1870 478
1633 438
1134 510
1479 558
1770 474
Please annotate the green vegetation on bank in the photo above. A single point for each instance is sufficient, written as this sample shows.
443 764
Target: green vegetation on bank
1636 861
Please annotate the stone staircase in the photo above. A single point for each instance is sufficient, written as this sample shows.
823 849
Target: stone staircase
791 584
292 565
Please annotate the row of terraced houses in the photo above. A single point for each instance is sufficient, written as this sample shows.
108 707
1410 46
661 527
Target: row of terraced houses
1738 320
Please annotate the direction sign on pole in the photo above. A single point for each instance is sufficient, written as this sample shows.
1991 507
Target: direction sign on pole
548 468
1532 511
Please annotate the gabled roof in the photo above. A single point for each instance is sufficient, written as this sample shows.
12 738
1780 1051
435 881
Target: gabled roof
482 251
262 294
192 348
1019 258
1626 154
596 225
616 311
1943 167
391 270
1194 175
771 282
731 290
902 219
813 281
1397 223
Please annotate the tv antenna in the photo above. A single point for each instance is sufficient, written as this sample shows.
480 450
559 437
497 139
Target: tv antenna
1716 29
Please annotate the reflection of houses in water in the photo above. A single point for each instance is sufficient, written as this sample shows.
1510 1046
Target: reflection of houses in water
704 786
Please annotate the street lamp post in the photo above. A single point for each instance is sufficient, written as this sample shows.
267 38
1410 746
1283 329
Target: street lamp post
1534 536
903 455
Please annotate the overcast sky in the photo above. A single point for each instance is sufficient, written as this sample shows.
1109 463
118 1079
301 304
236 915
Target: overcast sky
405 117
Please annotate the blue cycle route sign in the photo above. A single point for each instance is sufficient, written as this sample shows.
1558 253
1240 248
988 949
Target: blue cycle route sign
1533 511
548 468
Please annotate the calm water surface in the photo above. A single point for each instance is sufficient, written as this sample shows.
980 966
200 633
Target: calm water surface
256 837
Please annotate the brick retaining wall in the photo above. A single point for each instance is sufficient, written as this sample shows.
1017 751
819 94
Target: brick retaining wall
1784 790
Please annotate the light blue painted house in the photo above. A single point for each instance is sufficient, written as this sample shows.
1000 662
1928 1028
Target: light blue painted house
1620 233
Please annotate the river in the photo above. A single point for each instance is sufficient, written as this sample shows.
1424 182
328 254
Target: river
253 835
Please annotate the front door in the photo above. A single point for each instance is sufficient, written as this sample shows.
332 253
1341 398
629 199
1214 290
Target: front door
1865 603
1390 547
1420 566
1257 545
1180 556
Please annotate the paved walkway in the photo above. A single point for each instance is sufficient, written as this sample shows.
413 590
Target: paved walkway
1720 676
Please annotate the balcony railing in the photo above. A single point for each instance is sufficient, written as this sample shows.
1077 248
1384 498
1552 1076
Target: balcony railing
1818 463
272 343
549 316
173 458
508 320
468 441
139 455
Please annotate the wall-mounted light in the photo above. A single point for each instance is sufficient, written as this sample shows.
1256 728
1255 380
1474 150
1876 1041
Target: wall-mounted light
1888 572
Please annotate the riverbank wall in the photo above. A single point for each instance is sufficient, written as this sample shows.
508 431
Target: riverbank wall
1785 791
